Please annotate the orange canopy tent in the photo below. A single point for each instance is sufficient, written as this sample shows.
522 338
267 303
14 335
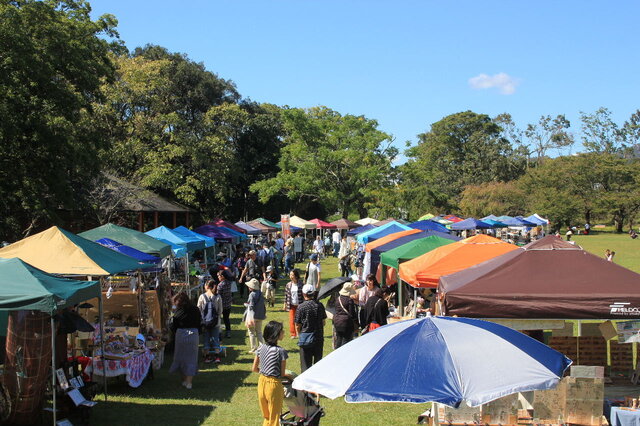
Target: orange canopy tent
426 270
388 238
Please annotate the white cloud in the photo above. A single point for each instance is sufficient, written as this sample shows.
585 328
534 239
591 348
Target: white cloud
505 84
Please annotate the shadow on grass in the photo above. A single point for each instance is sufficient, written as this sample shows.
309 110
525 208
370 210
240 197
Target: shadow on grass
111 413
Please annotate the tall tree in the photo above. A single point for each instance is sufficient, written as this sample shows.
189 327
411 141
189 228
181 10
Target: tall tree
549 133
461 149
601 134
329 158
493 198
53 60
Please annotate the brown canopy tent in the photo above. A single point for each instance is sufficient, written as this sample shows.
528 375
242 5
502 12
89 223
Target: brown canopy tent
345 224
548 278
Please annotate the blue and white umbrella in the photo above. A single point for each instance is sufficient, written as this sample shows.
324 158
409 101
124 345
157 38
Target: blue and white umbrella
440 359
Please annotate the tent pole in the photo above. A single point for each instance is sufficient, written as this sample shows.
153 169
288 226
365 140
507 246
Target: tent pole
400 296
415 302
53 370
434 408
104 364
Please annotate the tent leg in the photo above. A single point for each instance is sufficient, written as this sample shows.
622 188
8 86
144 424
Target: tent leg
415 302
104 364
53 370
434 409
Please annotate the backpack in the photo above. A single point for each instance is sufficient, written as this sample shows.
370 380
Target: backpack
209 315
264 258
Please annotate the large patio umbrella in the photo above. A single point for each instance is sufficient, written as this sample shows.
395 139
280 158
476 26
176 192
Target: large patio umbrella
438 359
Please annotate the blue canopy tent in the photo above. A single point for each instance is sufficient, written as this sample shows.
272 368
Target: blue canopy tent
190 243
217 233
514 221
178 251
495 223
534 218
470 223
429 225
359 230
129 251
381 231
239 235
186 232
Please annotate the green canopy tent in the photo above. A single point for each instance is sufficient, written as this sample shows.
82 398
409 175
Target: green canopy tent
26 288
411 250
128 237
394 257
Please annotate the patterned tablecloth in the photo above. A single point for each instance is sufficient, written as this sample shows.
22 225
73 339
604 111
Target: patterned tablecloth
134 368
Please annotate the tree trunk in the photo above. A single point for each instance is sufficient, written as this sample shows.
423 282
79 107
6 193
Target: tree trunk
587 216
362 211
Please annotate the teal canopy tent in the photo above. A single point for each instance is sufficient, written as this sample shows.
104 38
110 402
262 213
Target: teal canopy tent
129 237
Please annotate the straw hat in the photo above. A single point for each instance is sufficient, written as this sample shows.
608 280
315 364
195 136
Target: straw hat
253 284
347 289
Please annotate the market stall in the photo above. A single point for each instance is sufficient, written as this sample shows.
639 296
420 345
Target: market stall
33 297
129 237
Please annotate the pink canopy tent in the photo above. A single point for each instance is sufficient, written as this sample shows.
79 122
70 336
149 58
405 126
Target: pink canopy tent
321 224
221 222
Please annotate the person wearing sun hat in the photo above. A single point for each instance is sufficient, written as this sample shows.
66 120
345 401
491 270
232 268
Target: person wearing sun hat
256 313
345 316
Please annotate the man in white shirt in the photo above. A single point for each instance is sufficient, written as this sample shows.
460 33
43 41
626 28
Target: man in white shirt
336 242
298 247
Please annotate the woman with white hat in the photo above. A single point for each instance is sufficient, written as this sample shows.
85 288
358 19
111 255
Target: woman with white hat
345 316
256 313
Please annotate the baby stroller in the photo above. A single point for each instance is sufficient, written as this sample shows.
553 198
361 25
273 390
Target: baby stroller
304 409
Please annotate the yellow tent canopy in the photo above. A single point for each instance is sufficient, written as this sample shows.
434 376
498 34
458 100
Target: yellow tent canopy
299 222
57 251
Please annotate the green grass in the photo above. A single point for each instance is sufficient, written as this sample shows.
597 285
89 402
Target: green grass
227 394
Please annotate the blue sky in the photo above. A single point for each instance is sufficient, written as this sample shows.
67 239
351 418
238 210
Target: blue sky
406 64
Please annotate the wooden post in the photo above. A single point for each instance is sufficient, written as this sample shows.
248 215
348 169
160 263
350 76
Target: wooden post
155 219
53 370
141 221
175 220
187 219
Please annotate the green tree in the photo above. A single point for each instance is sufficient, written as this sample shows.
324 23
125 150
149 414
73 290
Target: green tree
493 198
600 134
461 149
53 60
548 133
336 160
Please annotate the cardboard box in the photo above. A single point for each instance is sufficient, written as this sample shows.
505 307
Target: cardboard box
576 400
608 330
587 371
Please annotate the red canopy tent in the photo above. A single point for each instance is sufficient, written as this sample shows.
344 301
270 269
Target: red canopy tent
321 224
221 222
549 278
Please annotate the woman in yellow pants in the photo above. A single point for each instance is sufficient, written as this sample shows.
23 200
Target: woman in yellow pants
270 362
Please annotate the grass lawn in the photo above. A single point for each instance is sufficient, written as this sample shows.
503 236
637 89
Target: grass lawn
227 394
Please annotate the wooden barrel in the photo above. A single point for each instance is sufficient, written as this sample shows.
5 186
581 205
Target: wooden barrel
27 364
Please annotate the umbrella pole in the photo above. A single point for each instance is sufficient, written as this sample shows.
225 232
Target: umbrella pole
53 370
415 302
434 409
104 364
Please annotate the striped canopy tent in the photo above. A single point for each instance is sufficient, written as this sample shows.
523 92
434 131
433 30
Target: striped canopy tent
264 229
221 222
321 224
345 224
250 230
266 222
367 221
426 270
301 223
426 216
